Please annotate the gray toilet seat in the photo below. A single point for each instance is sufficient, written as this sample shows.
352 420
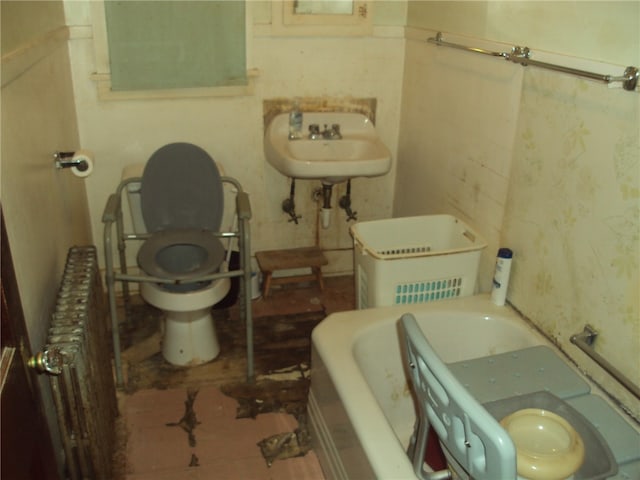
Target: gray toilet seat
181 254
181 188
182 204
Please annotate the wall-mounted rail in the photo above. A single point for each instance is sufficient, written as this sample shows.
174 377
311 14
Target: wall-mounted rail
584 341
522 56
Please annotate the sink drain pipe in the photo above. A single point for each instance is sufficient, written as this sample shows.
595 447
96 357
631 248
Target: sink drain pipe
325 212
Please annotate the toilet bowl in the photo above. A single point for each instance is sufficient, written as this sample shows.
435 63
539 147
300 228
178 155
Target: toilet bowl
189 330
181 254
547 446
181 203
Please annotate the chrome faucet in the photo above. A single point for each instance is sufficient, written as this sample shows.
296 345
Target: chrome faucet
314 132
332 133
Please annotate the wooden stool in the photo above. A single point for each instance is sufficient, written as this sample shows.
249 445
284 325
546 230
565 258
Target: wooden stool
270 261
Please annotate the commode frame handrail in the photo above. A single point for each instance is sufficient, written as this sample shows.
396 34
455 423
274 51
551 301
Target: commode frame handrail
584 341
521 55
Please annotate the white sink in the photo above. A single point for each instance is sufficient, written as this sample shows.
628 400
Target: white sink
359 153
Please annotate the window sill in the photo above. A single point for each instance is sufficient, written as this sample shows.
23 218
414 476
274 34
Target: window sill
105 93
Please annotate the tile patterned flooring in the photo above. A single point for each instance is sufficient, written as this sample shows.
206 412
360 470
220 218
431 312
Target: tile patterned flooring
157 422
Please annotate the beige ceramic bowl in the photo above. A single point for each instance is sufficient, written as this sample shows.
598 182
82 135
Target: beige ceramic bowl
547 446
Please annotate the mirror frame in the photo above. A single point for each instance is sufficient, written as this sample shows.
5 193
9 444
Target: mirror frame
285 22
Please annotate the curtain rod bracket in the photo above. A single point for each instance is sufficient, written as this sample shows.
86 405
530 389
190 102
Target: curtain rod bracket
630 81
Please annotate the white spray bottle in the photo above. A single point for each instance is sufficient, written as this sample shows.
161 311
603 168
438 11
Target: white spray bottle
501 277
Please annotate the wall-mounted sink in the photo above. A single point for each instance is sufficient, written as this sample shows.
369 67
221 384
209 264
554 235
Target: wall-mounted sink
358 153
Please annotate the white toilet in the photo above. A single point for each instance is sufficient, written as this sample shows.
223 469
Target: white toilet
180 202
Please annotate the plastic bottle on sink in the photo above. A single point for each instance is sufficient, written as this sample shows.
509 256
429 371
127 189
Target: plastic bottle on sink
295 121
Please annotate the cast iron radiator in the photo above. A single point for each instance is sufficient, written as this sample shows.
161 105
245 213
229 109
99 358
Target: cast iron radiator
77 356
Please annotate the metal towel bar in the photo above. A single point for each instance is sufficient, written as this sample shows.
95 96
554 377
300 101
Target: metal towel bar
584 341
521 55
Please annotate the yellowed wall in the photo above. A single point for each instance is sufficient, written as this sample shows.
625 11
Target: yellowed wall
539 161
45 210
26 21
604 30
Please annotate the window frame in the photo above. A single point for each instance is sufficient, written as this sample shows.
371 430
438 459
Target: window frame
285 22
102 75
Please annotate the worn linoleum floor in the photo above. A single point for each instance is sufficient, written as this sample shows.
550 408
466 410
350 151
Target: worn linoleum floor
206 422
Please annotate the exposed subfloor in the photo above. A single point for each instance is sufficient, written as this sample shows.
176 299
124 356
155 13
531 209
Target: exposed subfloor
207 422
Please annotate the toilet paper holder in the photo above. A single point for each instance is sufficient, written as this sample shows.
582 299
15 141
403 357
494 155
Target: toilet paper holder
67 160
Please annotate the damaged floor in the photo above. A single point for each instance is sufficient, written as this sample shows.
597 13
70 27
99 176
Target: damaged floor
206 422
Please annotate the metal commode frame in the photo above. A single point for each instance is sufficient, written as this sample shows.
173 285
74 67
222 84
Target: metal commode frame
113 214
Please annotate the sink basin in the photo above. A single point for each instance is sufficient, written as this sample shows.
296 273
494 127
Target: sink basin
359 153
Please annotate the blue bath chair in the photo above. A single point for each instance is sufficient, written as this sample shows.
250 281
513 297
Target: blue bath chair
473 441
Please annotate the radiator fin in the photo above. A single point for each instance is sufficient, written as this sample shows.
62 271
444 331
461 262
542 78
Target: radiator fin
84 393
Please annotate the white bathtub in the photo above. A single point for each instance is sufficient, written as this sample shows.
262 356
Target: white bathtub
360 409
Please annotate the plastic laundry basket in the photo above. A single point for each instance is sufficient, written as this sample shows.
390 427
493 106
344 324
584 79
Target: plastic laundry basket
414 260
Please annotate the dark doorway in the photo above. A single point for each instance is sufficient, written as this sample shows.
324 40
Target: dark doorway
26 449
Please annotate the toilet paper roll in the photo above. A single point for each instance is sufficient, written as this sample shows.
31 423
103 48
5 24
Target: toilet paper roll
84 163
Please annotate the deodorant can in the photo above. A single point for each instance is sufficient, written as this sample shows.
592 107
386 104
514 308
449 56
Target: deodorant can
501 277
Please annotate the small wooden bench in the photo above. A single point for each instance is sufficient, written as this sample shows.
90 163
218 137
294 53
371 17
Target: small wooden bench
270 261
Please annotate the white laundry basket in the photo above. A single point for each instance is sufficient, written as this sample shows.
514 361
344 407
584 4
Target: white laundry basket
414 260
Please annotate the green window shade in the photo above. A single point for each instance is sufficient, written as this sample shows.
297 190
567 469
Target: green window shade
176 44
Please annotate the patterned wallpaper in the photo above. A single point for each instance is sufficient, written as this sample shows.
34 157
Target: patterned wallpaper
572 217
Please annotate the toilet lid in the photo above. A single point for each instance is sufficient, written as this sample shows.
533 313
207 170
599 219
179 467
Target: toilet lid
181 189
181 254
